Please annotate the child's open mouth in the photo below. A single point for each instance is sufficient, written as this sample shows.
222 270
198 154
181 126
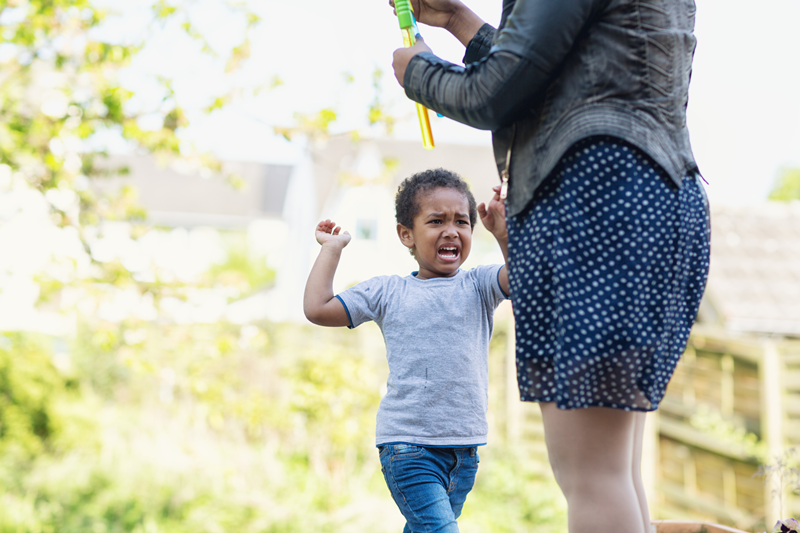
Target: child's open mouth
448 252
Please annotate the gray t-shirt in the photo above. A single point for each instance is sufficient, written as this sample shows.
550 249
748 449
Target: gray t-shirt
437 334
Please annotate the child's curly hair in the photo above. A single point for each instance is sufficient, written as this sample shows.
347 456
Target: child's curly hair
405 202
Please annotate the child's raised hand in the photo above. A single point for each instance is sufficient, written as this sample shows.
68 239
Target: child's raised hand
493 216
329 232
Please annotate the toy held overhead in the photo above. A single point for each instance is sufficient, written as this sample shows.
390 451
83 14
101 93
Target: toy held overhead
405 16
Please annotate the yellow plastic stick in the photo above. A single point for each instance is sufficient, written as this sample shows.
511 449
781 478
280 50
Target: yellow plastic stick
408 27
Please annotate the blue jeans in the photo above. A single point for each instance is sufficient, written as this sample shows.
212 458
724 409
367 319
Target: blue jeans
429 485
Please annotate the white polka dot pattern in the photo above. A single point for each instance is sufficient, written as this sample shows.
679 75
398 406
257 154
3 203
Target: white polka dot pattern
607 268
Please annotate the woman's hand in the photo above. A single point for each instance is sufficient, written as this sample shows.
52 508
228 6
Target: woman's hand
451 15
436 13
402 56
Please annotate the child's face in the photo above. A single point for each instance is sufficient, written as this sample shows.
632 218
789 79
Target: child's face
442 235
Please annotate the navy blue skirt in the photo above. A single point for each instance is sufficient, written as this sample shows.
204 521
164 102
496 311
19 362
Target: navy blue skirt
607 267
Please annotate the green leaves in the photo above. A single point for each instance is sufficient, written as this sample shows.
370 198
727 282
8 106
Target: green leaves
60 87
30 389
311 125
377 113
99 55
238 56
163 9
787 186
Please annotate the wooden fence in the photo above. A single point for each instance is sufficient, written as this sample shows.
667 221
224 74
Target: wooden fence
733 402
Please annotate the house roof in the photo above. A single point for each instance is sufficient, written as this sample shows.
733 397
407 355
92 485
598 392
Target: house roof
176 195
754 279
340 159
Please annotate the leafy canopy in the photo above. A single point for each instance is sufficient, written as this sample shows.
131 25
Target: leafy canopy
60 92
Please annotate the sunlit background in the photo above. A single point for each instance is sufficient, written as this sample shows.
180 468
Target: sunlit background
162 168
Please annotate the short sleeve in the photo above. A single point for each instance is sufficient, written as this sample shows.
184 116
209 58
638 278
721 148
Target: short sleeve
487 279
365 301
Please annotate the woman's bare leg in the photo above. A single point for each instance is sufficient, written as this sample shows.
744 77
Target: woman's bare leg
638 439
591 452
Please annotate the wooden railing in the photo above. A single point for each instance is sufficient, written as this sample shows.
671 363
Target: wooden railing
733 402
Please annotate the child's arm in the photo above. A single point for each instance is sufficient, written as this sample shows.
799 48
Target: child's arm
319 304
494 219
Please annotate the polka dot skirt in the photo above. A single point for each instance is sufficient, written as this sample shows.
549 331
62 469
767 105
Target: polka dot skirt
607 268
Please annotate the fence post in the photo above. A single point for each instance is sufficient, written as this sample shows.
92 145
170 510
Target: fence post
770 372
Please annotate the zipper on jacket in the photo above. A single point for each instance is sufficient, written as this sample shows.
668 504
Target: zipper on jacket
504 175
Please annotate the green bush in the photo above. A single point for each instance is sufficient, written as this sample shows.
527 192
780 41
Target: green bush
265 430
30 389
512 495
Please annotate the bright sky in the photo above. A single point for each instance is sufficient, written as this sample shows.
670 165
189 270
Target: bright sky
744 109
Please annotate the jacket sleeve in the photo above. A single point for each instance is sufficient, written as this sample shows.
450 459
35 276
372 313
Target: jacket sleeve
491 92
479 46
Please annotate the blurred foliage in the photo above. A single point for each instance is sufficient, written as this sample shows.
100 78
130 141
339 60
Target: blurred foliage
782 476
377 113
388 172
35 400
200 430
710 421
59 88
787 186
241 269
150 422
314 126
220 427
511 486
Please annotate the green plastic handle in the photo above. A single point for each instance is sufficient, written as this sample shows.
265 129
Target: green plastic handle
404 14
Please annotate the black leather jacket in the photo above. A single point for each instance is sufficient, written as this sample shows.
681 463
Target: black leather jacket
558 71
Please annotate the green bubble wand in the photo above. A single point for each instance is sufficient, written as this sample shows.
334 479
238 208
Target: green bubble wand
408 26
